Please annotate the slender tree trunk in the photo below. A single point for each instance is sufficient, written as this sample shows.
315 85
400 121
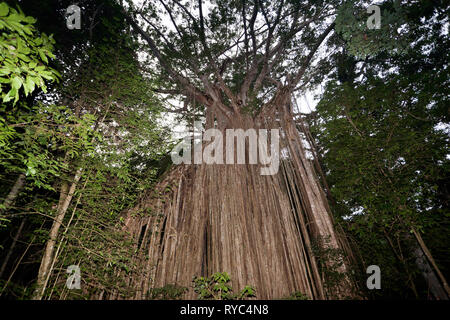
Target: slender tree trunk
17 265
11 248
62 240
435 286
64 202
18 185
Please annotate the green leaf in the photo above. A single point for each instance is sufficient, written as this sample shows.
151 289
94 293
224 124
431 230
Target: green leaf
29 84
3 9
32 64
43 56
16 82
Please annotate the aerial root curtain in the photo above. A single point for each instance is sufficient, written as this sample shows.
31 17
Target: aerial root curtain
202 219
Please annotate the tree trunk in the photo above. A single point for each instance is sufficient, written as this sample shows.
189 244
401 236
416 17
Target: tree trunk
18 185
229 218
435 287
10 198
11 249
63 205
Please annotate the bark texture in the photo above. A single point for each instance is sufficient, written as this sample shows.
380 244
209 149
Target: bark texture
66 195
11 248
203 219
12 195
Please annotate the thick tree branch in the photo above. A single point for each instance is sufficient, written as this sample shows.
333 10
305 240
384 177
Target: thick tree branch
297 77
185 83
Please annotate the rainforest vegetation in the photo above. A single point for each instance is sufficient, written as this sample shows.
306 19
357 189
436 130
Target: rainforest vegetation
93 207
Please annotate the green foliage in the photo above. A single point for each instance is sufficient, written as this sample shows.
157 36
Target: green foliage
330 261
32 142
387 150
351 24
217 287
168 292
382 131
385 163
24 55
102 117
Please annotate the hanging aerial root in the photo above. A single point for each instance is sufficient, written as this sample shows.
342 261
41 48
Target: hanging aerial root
262 230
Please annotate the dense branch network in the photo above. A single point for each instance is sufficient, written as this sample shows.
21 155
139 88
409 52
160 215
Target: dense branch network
257 54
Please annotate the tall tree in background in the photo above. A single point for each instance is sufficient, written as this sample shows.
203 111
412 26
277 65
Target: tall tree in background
382 130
